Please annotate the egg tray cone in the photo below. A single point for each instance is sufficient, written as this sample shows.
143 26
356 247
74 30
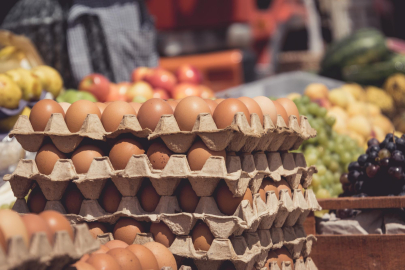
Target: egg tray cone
239 136
238 172
42 255
299 264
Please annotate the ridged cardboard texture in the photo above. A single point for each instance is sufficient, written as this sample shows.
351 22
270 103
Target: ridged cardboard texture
239 136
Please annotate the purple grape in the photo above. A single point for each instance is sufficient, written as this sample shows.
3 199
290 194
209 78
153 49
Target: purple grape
344 179
373 142
353 176
354 166
360 195
391 146
395 172
400 144
358 186
385 162
373 148
362 159
389 137
397 157
372 156
372 170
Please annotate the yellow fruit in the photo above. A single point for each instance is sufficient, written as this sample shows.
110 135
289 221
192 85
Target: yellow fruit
10 93
399 122
395 87
29 83
372 109
360 124
341 117
380 98
340 98
357 108
378 133
357 137
50 78
383 122
398 134
355 90
8 123
316 91
293 96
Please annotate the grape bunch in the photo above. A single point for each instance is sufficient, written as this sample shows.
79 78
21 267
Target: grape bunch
329 151
378 172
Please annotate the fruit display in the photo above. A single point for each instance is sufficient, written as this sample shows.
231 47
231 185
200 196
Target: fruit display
330 151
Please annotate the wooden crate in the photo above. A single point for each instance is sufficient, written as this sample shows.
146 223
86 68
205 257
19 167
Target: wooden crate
358 252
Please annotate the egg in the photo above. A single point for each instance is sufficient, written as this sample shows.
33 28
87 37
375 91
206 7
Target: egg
72 199
253 107
97 228
77 113
227 265
101 106
42 111
227 203
57 222
202 237
83 266
36 200
83 156
281 111
103 249
219 100
113 114
116 244
2 241
162 234
126 230
125 258
226 110
46 158
212 104
150 112
188 199
145 256
11 224
136 106
123 150
148 197
103 262
290 107
282 184
187 111
199 153
271 257
65 106
34 223
110 197
173 103
268 185
268 107
163 255
158 155
283 255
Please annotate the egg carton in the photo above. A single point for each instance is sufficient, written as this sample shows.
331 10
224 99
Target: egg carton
239 136
42 255
238 172
299 264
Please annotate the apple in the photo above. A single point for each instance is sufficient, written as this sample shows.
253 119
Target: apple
188 74
140 73
183 90
96 84
206 92
140 88
160 93
161 78
117 92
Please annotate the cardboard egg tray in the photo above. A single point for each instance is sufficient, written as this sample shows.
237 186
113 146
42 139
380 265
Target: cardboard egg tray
42 255
299 264
239 136
238 172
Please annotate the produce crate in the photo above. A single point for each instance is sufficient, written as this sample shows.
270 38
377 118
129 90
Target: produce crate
358 252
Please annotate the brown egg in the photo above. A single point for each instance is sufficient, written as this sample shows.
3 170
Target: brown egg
57 222
282 184
188 199
150 112
123 150
268 185
72 199
202 237
219 100
11 224
101 106
77 113
158 155
110 197
65 106
187 111
163 255
148 197
34 223
281 111
268 107
116 244
199 153
83 156
253 107
46 158
212 104
226 110
42 111
83 265
173 103
2 241
283 255
36 200
162 234
227 203
125 258
290 107
97 228
145 256
227 265
126 230
113 114
272 257
103 262
136 106
103 249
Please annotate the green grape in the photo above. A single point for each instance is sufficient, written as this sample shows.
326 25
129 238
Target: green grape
302 109
329 177
324 181
337 188
335 157
316 181
331 145
311 159
326 159
334 166
323 138
313 109
312 140
346 157
305 100
330 120
321 170
322 194
336 177
322 112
